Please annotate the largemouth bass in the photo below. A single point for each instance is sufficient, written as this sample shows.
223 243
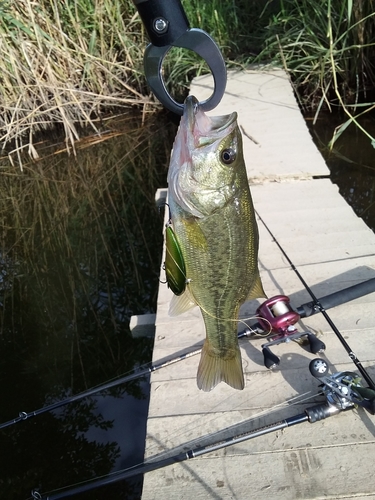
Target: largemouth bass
213 223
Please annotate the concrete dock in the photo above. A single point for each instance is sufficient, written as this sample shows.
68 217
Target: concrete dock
332 249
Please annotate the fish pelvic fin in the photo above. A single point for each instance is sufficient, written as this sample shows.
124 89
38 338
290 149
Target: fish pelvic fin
181 303
213 369
257 290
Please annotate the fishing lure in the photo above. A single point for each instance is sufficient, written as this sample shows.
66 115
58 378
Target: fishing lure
174 263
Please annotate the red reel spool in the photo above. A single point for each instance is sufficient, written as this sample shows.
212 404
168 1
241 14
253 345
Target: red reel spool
277 314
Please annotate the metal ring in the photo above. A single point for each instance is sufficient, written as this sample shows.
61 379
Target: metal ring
202 44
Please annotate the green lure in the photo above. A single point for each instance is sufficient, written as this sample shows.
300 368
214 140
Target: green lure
174 263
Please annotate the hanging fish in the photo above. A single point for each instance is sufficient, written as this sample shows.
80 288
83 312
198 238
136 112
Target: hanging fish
212 245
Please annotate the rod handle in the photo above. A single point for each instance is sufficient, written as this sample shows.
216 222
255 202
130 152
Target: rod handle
320 412
337 298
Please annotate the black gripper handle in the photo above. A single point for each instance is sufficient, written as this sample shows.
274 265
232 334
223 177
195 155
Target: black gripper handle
164 20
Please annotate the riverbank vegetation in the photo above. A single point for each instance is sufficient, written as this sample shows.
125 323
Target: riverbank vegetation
69 62
328 48
80 250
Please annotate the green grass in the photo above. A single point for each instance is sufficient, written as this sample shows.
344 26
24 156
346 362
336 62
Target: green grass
69 62
328 48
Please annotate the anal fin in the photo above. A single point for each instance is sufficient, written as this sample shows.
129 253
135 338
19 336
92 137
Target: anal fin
257 290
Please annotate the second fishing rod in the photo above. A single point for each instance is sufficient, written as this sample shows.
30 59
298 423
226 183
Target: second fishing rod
342 391
317 305
262 328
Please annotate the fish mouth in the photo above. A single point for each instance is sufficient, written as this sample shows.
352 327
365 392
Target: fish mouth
198 139
204 129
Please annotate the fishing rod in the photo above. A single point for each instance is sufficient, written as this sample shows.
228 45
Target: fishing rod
264 312
342 391
277 315
318 307
90 392
336 298
307 309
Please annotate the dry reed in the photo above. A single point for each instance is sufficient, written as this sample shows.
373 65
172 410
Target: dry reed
63 63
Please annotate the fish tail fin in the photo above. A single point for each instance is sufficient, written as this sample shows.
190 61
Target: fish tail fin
213 369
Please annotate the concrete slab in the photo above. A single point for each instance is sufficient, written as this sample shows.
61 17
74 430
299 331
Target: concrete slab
332 249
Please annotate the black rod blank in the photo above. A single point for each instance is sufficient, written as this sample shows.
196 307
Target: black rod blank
321 309
305 310
312 415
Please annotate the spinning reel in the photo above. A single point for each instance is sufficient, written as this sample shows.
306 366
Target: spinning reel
277 314
342 390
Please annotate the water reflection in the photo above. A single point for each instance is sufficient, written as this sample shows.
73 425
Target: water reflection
79 254
352 163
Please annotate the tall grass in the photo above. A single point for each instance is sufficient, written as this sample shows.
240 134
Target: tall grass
328 47
63 61
68 62
320 41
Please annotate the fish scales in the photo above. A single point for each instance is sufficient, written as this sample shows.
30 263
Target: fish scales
213 220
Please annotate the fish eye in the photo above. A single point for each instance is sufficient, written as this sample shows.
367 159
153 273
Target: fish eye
228 156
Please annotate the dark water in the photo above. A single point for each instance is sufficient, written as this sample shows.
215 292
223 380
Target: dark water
351 162
80 252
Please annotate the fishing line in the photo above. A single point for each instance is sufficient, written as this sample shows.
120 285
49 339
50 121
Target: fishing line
231 320
189 428
142 371
242 321
318 306
112 477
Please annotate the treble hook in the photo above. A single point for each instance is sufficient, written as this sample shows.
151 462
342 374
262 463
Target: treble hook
167 26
